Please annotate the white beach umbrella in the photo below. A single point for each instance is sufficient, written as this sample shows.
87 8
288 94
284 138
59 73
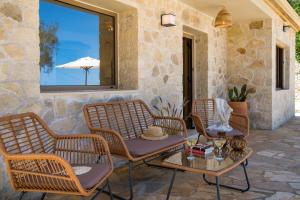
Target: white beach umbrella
85 63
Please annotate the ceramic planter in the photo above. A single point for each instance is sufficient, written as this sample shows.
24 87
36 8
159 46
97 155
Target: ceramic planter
239 107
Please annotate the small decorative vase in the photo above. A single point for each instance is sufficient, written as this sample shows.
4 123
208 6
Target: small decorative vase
238 143
236 155
225 151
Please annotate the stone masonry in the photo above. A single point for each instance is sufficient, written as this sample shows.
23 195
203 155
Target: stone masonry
251 60
150 67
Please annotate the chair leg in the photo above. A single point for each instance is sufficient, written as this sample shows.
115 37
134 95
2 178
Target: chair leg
109 190
130 166
43 196
230 187
21 195
218 188
98 193
99 190
171 184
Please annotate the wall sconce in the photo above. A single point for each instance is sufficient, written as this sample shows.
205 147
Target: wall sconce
286 28
168 20
223 19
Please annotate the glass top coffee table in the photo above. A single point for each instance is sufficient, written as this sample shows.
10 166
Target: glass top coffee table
207 165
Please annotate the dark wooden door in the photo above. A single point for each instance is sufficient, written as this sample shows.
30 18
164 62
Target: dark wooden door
187 80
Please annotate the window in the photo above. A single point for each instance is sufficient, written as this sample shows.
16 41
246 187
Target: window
279 68
77 47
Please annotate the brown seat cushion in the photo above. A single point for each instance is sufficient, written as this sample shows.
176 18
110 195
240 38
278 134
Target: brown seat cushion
94 176
232 133
140 147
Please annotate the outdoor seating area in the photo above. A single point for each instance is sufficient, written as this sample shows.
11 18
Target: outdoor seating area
39 160
149 99
272 173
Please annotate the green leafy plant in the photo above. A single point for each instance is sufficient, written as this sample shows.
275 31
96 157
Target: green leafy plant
236 96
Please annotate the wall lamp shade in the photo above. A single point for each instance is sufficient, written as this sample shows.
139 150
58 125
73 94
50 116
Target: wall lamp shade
168 20
286 28
223 19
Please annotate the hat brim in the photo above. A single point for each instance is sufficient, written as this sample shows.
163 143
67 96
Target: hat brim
154 138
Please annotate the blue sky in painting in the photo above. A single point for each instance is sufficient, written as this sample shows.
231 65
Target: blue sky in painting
78 36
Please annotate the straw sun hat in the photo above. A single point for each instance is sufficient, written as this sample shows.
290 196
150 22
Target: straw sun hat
154 133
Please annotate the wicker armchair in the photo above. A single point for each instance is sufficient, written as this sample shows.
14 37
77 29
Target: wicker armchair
203 111
122 123
37 160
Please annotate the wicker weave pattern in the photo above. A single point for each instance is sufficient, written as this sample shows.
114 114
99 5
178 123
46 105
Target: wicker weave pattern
205 108
126 120
25 135
39 160
129 119
203 112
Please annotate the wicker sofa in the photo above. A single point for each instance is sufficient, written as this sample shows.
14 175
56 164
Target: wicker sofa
121 124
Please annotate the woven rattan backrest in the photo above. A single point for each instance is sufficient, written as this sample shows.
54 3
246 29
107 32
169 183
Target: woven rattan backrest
205 108
25 133
129 118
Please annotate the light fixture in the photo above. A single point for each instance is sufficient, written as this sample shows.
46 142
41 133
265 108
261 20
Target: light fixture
168 19
286 28
109 26
223 19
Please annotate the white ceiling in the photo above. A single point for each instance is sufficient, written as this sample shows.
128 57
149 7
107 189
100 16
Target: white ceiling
241 10
111 5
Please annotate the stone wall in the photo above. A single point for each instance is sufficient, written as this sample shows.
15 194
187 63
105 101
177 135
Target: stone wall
297 89
19 65
163 62
128 44
252 60
249 62
283 101
154 63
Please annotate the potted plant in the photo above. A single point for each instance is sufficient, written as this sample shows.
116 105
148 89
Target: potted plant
238 99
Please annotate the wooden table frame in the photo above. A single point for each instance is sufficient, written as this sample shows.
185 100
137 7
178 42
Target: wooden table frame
243 162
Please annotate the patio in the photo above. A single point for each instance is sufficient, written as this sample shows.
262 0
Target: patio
161 52
273 172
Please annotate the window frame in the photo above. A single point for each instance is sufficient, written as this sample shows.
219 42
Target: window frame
279 68
94 10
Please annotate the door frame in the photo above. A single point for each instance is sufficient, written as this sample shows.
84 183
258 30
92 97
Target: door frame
192 37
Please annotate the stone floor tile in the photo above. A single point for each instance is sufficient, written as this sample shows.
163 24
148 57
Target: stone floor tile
282 196
273 170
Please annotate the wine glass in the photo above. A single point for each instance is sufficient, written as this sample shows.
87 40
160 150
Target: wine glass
219 143
191 142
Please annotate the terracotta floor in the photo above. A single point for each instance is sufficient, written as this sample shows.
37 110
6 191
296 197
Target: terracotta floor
274 173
